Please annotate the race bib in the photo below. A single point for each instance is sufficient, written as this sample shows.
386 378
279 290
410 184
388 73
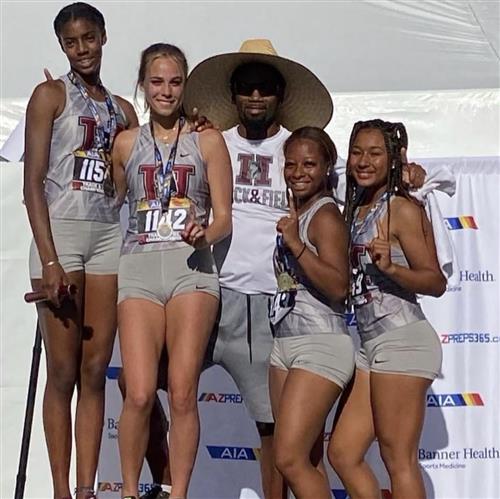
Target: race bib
359 290
91 172
281 305
155 227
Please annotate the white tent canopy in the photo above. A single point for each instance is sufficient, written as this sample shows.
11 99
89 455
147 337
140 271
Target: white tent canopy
352 46
355 46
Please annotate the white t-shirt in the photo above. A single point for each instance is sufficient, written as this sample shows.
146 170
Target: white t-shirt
245 258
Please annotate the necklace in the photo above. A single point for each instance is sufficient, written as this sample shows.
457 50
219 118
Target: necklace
166 139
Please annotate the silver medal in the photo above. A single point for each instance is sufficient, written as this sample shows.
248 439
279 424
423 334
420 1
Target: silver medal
164 229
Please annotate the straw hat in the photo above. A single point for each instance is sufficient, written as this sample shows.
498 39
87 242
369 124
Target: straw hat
306 100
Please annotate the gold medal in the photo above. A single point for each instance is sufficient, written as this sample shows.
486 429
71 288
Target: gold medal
286 282
164 229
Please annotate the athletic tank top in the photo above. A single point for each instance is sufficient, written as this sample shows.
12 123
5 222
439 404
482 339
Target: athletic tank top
75 181
313 313
244 258
380 304
191 201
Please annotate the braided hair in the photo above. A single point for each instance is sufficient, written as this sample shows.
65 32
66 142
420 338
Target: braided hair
395 138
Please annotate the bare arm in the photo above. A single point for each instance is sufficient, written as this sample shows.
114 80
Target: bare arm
411 229
122 148
220 180
329 270
129 111
46 103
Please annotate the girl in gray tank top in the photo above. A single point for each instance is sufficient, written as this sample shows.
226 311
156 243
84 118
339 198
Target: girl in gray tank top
71 124
191 201
312 312
313 356
393 258
78 184
174 180
380 303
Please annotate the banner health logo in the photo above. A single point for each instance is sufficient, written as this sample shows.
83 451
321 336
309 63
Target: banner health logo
463 222
221 398
454 399
233 453
342 494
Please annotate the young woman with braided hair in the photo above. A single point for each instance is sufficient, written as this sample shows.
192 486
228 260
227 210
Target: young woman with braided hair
393 257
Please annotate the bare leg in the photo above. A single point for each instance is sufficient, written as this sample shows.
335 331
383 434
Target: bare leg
273 484
157 450
305 401
142 335
277 379
61 334
190 319
398 403
352 435
99 328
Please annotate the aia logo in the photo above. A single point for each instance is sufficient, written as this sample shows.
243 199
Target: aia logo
233 453
454 399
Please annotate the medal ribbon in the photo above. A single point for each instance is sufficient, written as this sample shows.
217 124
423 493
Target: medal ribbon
104 136
164 170
356 228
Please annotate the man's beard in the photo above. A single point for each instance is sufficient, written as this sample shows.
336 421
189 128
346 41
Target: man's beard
258 124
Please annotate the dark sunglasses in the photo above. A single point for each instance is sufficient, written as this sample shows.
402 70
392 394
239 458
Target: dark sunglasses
265 88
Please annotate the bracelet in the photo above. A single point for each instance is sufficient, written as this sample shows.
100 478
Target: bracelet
49 264
301 252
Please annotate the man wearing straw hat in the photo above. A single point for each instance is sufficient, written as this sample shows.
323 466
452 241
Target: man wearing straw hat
256 97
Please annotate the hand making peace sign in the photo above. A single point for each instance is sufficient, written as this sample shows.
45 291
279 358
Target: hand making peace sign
380 248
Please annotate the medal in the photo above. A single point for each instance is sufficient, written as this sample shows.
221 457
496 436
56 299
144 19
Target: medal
164 229
164 171
286 282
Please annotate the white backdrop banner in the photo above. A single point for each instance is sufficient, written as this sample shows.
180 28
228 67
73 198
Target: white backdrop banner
459 451
461 437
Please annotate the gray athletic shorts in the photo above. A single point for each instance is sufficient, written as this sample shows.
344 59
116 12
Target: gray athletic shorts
93 247
241 344
328 355
413 349
158 276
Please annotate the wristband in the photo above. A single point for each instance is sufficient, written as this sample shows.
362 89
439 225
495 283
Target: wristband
301 252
